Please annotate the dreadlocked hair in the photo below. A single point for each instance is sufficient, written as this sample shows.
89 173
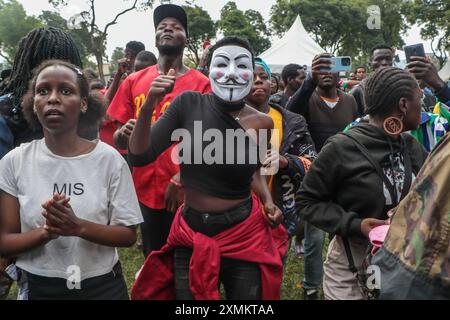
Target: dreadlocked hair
95 109
39 45
385 88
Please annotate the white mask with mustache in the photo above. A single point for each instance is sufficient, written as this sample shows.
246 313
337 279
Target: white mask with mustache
231 73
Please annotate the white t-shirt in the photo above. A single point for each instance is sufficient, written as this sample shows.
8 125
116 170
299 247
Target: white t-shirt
101 191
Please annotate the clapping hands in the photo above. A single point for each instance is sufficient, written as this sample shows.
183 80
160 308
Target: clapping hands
60 218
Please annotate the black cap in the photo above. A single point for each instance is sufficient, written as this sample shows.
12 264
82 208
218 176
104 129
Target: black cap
173 11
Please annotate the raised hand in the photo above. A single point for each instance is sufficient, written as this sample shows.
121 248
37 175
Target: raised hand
320 62
423 69
161 86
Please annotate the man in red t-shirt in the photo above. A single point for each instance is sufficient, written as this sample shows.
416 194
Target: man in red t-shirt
157 185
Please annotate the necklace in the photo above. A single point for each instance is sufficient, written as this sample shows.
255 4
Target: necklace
237 117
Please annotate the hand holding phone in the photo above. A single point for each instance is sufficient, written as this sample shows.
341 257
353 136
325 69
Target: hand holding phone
424 70
320 62
415 50
339 64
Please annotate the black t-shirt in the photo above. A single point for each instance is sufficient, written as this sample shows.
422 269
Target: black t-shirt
211 160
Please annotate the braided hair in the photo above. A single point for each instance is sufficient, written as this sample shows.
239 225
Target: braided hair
385 88
39 45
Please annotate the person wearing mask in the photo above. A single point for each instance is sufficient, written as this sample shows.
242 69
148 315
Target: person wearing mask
360 175
158 183
223 231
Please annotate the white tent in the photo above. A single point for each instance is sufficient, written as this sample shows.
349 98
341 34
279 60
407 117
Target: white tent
444 73
401 63
295 47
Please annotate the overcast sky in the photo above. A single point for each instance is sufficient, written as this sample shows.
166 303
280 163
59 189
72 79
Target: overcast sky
139 25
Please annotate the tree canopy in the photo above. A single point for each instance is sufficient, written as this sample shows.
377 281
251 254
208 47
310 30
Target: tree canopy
247 24
201 28
340 26
15 24
94 35
434 17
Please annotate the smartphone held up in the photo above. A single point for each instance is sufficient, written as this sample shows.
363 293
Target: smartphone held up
415 50
339 64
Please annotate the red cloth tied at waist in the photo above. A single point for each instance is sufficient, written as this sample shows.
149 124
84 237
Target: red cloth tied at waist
251 240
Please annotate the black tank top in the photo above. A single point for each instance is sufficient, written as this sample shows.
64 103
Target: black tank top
217 156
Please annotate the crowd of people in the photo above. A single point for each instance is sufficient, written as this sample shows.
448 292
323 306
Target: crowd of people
223 168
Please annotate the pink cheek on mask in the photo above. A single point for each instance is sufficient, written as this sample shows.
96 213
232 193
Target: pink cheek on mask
219 75
246 76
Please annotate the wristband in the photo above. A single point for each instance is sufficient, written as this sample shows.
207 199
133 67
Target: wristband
175 183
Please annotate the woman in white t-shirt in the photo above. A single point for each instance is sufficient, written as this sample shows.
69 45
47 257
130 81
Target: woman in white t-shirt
66 203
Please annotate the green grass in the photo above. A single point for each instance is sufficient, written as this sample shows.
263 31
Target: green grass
132 259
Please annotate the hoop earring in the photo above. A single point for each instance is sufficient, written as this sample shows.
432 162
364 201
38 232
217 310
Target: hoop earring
393 125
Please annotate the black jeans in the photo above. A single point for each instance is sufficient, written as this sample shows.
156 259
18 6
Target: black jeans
155 228
110 286
241 279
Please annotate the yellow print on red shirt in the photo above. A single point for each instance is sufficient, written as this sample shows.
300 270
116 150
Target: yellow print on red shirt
139 101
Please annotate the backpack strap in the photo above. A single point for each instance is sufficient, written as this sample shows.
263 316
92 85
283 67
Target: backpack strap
348 252
375 165
391 188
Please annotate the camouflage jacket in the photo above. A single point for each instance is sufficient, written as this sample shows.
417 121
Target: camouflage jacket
419 235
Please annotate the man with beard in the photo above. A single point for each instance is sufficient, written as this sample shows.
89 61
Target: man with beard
380 56
157 184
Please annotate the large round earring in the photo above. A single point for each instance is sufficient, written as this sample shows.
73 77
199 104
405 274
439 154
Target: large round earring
393 125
